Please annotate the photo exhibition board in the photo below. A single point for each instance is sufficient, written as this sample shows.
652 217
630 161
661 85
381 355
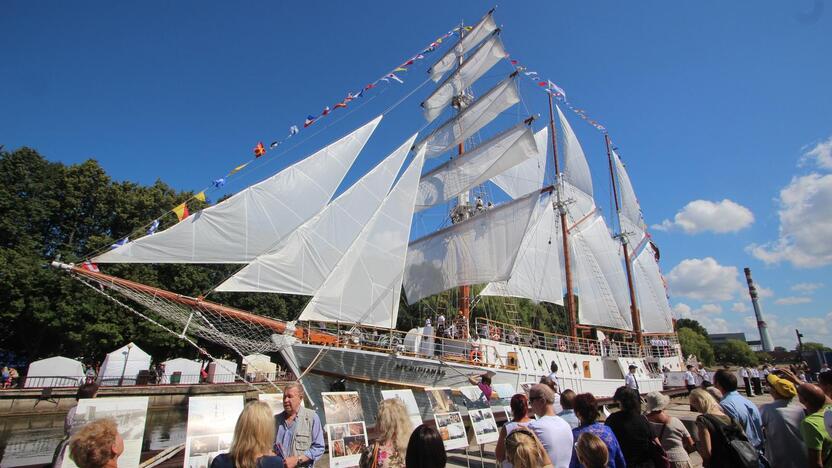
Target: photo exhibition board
448 419
129 413
211 421
409 400
345 428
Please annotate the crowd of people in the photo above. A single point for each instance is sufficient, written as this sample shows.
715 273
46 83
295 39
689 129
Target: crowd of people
730 431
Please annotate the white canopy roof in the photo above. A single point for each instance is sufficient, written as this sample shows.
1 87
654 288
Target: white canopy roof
56 371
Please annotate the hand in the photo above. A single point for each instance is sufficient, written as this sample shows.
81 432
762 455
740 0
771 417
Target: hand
291 462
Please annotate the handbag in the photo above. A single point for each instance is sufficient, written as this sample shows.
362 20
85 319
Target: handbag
654 447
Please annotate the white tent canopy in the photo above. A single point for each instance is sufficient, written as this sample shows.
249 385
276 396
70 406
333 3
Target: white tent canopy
187 369
56 371
260 366
124 364
222 371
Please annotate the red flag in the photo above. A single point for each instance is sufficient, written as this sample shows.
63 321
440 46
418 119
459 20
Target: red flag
259 150
89 266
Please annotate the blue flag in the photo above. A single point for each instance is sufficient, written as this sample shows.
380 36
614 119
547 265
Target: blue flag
153 227
219 182
120 243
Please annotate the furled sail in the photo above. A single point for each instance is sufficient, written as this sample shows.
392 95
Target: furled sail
301 261
486 56
365 285
469 40
473 118
655 311
250 222
599 276
528 175
575 167
491 158
536 274
480 249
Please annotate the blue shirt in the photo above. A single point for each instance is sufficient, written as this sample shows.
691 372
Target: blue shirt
286 433
616 458
568 415
746 414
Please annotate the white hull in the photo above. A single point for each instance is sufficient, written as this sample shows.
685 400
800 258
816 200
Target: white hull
370 372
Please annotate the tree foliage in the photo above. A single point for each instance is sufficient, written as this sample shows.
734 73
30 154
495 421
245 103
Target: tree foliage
735 352
812 346
691 324
696 344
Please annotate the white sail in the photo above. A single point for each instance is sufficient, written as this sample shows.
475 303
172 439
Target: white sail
469 40
528 175
599 276
365 285
472 119
651 294
486 56
536 274
575 167
301 262
250 222
491 158
632 222
478 250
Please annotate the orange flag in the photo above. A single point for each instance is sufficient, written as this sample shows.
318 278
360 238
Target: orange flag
181 211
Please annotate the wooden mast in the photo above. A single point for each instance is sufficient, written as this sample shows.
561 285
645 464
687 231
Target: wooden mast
464 299
567 263
636 316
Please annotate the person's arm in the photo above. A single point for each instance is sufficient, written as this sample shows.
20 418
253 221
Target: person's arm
815 458
474 379
500 450
814 445
703 446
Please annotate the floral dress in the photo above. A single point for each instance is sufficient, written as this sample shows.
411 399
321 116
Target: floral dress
387 456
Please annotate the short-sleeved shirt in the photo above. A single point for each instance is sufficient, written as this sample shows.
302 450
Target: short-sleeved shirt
631 382
781 426
616 456
690 379
224 460
556 436
816 437
747 414
673 436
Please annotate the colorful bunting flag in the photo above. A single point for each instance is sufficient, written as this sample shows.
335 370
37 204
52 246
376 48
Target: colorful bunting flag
259 150
400 69
218 182
274 145
153 227
326 111
90 266
181 211
293 130
200 196
310 119
120 243
393 76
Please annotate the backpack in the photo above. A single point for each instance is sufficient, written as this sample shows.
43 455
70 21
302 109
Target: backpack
734 441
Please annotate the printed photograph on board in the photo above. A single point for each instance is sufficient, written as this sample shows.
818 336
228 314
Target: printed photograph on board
211 421
274 400
342 407
129 414
485 427
345 428
409 400
451 429
440 400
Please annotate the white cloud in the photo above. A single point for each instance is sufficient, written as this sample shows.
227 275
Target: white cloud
764 292
703 215
806 288
792 300
820 154
707 316
704 279
805 224
740 307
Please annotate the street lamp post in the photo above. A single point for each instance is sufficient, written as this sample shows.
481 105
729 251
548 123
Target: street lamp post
126 358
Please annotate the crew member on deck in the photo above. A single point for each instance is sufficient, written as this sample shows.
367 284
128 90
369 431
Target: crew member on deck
630 380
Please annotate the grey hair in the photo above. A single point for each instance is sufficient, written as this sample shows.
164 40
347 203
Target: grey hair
297 385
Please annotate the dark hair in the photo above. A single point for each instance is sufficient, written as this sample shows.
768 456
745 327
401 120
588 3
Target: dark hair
825 378
567 399
628 399
519 405
87 391
554 367
486 379
586 407
425 449
726 379
690 366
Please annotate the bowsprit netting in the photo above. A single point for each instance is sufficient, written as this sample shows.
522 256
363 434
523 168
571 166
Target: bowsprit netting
243 332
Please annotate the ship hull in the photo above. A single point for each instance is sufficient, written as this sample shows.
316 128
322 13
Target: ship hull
370 372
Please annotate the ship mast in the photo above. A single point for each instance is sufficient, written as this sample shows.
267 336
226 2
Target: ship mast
463 200
622 236
561 206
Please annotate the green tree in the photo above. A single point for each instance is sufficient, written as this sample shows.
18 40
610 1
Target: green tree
812 346
691 324
696 344
735 352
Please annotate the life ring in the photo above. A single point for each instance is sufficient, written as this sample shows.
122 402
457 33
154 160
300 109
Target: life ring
475 355
592 349
562 345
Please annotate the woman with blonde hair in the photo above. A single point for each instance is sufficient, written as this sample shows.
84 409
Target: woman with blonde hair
524 450
394 428
710 425
254 436
592 451
97 445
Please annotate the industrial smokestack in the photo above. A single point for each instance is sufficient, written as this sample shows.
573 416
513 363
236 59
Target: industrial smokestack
765 340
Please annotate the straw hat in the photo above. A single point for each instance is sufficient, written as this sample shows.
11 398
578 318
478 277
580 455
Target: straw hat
656 401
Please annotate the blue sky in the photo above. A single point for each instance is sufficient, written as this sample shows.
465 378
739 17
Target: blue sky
721 111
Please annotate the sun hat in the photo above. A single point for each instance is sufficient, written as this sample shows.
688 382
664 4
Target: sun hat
656 401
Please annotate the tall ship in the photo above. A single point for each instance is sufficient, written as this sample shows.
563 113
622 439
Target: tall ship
357 258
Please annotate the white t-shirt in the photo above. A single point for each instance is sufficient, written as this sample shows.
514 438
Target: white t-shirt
556 436
554 377
690 379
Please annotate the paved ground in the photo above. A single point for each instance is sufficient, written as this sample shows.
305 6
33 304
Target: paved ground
474 459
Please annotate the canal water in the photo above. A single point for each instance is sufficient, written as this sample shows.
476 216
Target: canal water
32 440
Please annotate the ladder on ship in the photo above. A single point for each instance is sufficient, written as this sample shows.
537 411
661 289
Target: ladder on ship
511 310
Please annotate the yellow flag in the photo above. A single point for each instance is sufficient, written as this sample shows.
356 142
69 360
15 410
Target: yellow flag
400 69
200 196
181 211
238 169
